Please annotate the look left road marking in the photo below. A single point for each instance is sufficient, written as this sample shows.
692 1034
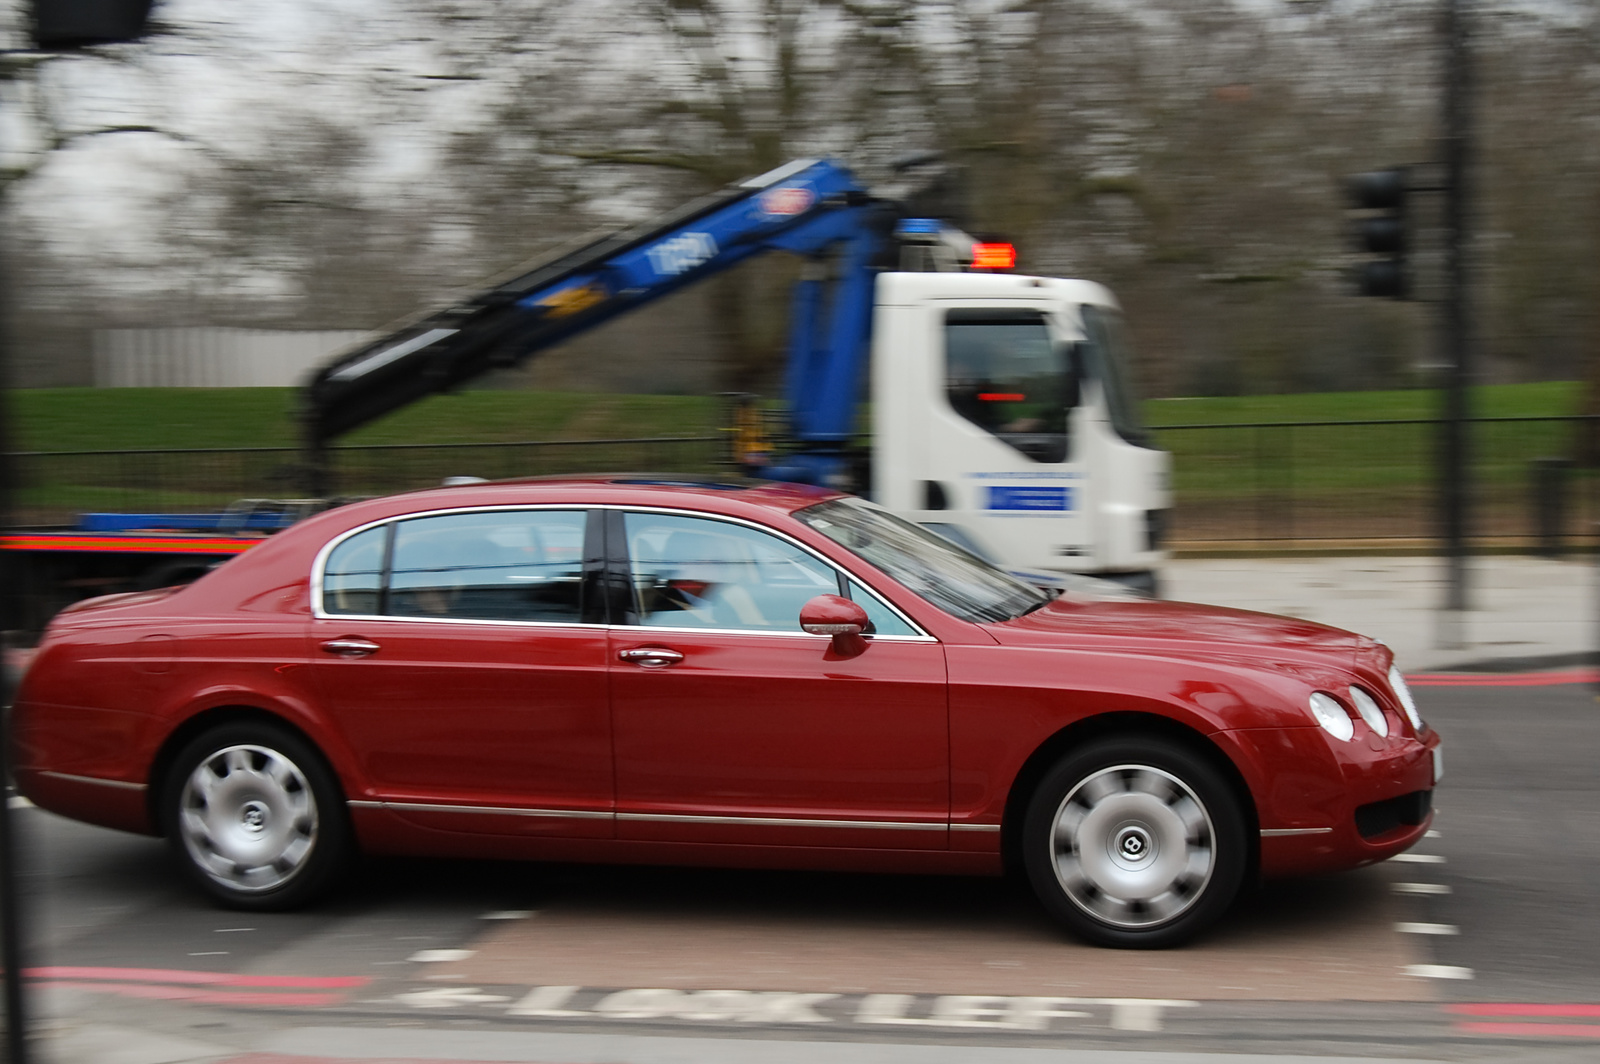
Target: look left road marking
991 1012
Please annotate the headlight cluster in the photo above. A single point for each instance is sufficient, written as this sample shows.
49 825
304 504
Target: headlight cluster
1335 719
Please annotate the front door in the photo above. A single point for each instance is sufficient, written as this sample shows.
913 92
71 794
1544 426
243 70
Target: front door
734 726
456 653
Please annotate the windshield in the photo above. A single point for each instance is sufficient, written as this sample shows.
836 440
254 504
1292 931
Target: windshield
947 576
1110 362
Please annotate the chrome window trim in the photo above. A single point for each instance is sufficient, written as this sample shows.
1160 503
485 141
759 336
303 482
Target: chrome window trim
1280 833
93 779
676 630
319 564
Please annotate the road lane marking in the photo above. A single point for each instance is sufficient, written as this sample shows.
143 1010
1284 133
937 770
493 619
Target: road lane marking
1417 858
1438 971
448 997
211 953
1420 888
18 802
508 914
1408 928
1432 834
440 956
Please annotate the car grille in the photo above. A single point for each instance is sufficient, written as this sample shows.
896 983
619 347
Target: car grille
1380 818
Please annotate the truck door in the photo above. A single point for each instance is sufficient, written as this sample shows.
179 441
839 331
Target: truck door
977 432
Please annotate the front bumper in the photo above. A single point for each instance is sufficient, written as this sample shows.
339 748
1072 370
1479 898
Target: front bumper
1326 805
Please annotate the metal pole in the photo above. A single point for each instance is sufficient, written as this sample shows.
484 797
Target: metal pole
10 947
1455 328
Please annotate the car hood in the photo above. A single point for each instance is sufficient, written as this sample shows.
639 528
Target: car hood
1182 628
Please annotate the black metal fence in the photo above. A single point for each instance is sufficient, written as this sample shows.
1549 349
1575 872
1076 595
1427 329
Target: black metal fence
1361 481
1270 482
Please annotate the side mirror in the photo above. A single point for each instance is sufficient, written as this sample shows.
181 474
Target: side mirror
838 617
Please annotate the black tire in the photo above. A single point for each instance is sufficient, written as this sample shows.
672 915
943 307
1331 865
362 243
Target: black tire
256 818
1136 843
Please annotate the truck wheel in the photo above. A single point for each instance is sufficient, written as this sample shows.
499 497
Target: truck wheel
1134 843
256 817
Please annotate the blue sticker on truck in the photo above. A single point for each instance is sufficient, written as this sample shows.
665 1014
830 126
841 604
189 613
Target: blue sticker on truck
1010 497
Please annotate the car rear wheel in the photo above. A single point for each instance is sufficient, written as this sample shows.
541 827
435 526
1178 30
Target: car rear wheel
256 818
1136 843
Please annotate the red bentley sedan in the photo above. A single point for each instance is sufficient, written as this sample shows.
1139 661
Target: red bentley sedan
642 670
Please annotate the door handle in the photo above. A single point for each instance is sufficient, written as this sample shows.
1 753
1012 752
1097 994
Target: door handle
350 647
651 657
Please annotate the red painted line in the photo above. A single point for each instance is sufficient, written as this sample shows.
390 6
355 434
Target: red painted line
1540 1030
173 975
1523 1009
203 997
1511 679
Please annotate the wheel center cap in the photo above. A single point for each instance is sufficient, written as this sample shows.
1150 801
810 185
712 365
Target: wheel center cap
1133 844
254 817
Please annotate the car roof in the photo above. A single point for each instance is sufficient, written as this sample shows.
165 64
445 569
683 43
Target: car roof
598 489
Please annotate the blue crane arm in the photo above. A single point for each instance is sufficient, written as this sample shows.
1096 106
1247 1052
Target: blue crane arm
808 207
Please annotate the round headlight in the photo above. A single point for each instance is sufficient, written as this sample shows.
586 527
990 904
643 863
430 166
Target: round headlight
1331 715
1368 708
1397 683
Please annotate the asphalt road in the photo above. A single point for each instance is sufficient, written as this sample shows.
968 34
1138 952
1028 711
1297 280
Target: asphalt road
1482 946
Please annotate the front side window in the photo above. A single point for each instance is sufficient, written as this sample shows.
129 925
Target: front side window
694 572
1005 374
510 565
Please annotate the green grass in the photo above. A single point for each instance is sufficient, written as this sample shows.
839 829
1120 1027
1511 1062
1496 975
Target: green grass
88 419
92 419
1544 399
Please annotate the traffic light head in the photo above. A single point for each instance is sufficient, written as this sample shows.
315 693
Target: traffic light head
1380 231
62 25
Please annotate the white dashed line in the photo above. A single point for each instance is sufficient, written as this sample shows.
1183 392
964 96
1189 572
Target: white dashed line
230 930
211 953
1438 971
18 802
1420 888
1406 928
440 956
1431 834
1417 858
508 914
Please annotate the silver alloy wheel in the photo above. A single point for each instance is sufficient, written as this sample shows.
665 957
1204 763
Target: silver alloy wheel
1133 846
248 818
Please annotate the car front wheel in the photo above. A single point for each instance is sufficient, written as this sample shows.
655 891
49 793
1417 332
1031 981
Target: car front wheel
256 817
1136 843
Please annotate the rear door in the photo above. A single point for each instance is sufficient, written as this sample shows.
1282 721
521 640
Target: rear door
462 654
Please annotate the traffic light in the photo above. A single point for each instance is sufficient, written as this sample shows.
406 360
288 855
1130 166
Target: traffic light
62 25
1381 231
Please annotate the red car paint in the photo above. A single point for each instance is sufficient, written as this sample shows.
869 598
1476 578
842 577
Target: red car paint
755 749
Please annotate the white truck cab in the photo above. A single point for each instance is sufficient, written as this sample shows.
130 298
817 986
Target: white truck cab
1002 418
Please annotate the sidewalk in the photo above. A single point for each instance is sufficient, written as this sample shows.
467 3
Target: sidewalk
1527 613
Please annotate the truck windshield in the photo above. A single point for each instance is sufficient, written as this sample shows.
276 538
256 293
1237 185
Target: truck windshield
1006 375
1108 360
947 576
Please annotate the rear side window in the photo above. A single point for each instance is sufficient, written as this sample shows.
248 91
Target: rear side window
352 582
511 565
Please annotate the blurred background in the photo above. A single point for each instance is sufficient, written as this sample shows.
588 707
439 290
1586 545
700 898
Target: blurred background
228 202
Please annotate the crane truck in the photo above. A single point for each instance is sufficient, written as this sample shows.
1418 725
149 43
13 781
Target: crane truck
1000 409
